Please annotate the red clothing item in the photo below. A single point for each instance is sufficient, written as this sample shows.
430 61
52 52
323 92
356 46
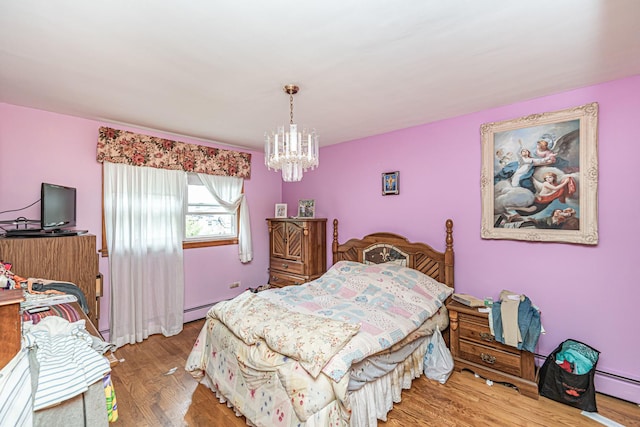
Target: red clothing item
566 366
560 194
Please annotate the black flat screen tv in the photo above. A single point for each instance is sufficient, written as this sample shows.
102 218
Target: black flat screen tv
57 207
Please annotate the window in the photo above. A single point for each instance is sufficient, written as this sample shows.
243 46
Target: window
206 223
205 219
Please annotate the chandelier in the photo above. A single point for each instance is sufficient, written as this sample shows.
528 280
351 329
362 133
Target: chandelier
291 150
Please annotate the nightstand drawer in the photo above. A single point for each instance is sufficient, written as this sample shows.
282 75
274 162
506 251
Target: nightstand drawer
491 357
476 329
287 266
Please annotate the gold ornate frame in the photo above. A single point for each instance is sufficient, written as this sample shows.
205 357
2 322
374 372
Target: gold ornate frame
572 134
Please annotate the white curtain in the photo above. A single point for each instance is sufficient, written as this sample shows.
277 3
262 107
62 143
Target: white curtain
227 191
144 211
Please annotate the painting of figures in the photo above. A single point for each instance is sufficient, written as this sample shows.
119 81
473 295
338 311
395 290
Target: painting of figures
539 177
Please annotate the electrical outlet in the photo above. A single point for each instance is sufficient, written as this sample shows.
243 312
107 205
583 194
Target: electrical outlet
234 285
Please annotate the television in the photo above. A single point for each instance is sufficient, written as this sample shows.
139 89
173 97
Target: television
57 207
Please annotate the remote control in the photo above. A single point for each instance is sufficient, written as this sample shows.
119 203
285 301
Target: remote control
37 309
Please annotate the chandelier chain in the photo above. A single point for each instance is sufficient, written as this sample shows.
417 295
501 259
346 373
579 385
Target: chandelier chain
290 108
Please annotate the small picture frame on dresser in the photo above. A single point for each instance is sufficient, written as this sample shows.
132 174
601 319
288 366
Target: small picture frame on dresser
281 210
306 208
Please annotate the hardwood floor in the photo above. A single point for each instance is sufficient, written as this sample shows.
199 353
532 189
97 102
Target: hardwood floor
149 395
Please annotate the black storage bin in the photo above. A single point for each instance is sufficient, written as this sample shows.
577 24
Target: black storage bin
577 390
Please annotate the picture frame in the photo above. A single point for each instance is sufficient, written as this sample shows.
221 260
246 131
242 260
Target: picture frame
390 183
539 177
306 208
281 210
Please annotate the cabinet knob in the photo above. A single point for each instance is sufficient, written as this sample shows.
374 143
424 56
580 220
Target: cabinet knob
487 358
274 279
285 265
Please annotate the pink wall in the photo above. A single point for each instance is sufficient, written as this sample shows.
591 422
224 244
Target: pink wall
585 293
37 146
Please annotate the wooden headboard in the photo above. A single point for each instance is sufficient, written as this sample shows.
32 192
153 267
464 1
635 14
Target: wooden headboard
377 248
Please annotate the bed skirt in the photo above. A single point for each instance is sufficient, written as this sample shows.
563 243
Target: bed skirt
371 402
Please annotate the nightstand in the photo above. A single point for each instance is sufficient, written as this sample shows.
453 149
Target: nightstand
474 348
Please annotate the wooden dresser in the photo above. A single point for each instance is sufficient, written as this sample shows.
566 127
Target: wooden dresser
65 258
473 347
11 329
297 250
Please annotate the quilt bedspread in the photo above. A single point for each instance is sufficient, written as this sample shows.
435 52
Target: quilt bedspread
311 340
389 302
252 379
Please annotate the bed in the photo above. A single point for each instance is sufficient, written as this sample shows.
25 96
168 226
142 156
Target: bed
336 351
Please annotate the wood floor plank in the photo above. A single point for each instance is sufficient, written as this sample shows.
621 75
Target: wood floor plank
148 395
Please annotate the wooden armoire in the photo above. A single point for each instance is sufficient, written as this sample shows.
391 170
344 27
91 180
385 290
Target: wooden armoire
297 250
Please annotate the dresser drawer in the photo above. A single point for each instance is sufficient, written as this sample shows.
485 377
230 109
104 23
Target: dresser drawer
279 279
491 357
287 266
477 329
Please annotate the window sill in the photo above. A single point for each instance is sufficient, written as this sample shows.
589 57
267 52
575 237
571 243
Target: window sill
207 243
190 245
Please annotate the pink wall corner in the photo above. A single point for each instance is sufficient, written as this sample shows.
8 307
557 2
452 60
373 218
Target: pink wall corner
38 146
585 293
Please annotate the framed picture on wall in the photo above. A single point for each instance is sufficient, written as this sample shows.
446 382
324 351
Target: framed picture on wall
306 209
281 210
540 177
390 183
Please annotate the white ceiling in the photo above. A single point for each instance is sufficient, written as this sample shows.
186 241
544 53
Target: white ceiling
214 69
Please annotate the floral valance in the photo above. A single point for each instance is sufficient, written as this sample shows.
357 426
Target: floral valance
119 146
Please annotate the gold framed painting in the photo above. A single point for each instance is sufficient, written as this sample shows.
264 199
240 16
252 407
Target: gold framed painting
539 177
